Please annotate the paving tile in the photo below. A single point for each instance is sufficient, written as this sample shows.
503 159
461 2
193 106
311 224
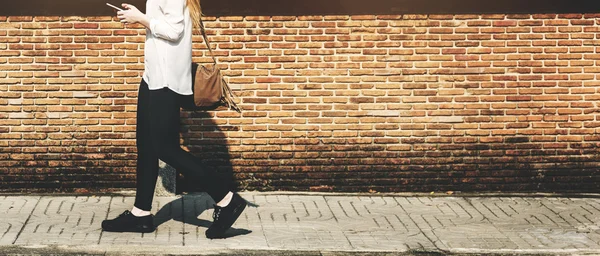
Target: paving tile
306 239
377 223
290 212
303 222
514 223
14 211
65 220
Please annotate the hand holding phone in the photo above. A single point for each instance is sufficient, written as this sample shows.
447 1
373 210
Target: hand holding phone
117 8
129 15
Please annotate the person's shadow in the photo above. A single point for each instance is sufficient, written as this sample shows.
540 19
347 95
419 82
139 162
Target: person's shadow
205 139
189 215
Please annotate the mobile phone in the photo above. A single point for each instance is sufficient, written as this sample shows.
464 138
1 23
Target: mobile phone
114 7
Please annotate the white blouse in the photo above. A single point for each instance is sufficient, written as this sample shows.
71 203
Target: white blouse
168 46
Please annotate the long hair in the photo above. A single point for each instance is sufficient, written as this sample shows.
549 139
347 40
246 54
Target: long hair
195 12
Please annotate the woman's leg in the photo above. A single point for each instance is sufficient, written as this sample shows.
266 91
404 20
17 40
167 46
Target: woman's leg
146 174
165 123
164 128
147 159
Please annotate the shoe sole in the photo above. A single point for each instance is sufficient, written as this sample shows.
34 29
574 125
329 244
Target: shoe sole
134 230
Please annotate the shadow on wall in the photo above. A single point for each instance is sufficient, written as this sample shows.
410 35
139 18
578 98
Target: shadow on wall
166 183
205 138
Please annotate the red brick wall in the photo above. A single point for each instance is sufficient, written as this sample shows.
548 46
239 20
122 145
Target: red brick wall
331 103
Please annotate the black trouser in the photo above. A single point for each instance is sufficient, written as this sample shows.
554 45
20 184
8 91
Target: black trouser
157 137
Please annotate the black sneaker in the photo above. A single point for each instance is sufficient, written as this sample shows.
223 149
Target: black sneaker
127 222
224 217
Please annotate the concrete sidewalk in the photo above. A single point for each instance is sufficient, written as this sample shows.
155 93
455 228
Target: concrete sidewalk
310 224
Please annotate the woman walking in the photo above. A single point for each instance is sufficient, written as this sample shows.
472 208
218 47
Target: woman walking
167 76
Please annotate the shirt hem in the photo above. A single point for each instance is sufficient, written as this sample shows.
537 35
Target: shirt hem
173 90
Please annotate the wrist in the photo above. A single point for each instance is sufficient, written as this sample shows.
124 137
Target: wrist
144 20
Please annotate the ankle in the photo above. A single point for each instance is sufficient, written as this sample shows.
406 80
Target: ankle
139 212
226 200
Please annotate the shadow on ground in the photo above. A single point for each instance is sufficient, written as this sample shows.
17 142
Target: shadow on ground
179 210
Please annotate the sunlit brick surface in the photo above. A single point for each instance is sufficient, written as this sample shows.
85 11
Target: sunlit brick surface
490 102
